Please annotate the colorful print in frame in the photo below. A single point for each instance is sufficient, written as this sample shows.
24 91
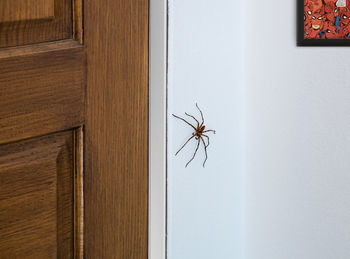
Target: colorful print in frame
323 22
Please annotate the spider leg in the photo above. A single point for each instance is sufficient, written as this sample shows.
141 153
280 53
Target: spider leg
184 145
210 131
185 121
207 139
193 118
205 149
199 141
201 114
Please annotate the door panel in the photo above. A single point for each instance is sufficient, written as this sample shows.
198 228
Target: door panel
36 197
24 22
19 10
74 129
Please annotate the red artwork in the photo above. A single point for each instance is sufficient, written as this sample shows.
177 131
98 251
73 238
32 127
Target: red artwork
326 19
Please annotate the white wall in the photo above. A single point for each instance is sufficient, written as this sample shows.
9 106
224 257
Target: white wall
205 205
297 140
280 162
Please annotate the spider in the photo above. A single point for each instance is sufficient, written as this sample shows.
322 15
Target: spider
198 135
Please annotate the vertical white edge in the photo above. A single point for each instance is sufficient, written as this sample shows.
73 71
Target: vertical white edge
157 129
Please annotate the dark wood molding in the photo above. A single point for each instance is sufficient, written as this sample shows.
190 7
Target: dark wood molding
78 27
79 193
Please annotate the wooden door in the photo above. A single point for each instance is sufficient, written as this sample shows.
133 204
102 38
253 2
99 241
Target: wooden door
73 129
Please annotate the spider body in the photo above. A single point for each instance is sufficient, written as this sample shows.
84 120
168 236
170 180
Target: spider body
199 134
201 130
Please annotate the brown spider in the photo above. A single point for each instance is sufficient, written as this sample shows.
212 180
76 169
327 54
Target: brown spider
198 135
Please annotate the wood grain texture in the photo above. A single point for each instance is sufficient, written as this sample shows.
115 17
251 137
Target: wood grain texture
17 28
79 194
36 197
42 89
116 132
78 27
24 10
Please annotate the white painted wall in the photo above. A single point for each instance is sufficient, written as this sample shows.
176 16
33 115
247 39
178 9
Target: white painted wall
205 66
297 140
280 163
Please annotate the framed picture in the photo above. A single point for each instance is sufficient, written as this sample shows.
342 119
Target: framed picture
323 22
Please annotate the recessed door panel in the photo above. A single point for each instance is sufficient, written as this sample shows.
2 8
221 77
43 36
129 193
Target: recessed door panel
32 21
36 197
25 10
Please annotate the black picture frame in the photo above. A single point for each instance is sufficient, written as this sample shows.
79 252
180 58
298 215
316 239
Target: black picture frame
313 42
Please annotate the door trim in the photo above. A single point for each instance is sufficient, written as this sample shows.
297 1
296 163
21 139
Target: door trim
157 129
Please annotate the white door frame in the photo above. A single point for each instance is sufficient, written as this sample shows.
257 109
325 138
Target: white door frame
157 129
